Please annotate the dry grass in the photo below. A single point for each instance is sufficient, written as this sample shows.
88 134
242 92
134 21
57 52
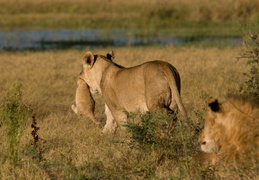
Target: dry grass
155 15
72 147
196 9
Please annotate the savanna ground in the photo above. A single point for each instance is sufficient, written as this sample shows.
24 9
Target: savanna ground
72 147
40 136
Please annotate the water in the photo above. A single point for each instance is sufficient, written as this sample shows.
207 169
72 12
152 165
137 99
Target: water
61 39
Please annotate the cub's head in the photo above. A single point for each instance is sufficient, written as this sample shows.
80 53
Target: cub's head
80 79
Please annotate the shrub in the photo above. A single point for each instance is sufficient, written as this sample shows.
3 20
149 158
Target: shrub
161 132
251 54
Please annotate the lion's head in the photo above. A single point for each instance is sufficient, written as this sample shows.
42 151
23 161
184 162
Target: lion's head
91 75
231 127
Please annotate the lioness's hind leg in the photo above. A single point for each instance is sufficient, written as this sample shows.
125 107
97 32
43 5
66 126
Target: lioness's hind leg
157 92
156 103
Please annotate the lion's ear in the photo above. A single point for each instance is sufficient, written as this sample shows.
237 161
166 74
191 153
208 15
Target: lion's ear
88 60
214 105
110 55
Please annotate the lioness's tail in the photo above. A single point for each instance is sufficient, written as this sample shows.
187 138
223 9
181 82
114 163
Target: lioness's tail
175 86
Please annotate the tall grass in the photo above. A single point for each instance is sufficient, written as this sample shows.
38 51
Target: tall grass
194 10
14 115
72 147
174 16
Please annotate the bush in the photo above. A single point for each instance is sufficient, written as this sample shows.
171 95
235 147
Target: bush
251 54
160 132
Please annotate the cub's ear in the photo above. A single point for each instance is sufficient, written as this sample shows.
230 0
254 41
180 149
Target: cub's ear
214 105
110 55
88 60
81 75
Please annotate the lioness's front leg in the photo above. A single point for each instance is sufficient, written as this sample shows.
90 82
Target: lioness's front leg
110 125
120 117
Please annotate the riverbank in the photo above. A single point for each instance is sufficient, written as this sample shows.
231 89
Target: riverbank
94 38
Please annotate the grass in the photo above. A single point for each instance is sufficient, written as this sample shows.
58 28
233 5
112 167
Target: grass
195 18
72 147
14 115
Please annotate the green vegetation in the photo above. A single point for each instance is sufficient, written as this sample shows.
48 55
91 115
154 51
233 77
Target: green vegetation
174 140
14 115
251 54
182 18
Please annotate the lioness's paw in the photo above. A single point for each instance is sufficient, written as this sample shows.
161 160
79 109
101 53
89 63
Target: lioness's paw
109 128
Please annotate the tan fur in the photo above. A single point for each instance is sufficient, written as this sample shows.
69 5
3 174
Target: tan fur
204 158
151 86
231 129
84 100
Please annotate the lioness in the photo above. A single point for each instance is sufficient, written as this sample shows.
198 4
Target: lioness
84 101
151 86
231 128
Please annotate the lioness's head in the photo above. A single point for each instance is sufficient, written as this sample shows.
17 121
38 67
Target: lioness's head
91 75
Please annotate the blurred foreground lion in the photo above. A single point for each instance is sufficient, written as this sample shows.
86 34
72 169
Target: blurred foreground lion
231 130
151 86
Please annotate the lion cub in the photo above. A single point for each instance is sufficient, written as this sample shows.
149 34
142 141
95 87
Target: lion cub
84 101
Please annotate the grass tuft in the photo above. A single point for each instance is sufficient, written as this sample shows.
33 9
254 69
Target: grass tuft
14 114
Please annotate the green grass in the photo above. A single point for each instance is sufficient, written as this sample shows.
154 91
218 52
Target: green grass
13 117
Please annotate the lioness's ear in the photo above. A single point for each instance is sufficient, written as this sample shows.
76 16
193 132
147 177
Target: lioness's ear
214 105
88 60
110 55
